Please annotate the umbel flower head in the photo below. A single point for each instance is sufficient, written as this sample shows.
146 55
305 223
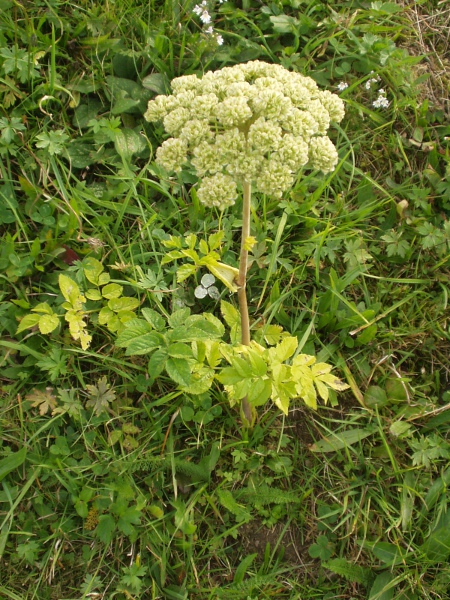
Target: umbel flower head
254 122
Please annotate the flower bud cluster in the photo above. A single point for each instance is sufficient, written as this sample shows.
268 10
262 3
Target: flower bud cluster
254 122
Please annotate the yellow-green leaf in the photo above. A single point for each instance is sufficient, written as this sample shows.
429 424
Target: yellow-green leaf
124 303
93 294
28 322
185 271
70 290
92 269
112 290
44 308
284 350
225 273
48 323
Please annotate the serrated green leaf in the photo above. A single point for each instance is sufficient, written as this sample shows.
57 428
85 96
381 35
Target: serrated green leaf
27 322
228 376
112 290
284 350
44 308
179 350
105 528
215 239
260 391
185 271
179 370
179 318
144 344
134 329
259 367
230 314
48 323
156 363
154 318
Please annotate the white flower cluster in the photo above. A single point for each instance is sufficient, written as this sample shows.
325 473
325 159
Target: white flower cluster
254 122
202 11
381 101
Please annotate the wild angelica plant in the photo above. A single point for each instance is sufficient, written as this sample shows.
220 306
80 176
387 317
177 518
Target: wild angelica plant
254 124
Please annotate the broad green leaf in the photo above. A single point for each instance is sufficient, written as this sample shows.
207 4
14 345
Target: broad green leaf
201 381
260 392
48 323
179 371
375 396
156 82
93 294
340 440
185 271
388 553
381 588
144 343
70 291
112 290
230 314
77 328
134 329
215 239
242 367
105 315
92 269
284 350
103 278
156 363
154 318
124 303
437 547
179 350
44 308
399 428
203 247
216 322
179 318
259 367
229 376
105 528
11 462
128 142
28 322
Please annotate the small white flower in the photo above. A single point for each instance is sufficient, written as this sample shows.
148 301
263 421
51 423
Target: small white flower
382 92
219 39
197 10
209 30
205 17
381 102
343 85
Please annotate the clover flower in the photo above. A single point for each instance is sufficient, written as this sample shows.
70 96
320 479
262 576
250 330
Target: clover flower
250 123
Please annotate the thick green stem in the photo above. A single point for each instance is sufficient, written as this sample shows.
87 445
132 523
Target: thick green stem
241 281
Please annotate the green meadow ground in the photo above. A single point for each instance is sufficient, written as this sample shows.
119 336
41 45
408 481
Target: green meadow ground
115 484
